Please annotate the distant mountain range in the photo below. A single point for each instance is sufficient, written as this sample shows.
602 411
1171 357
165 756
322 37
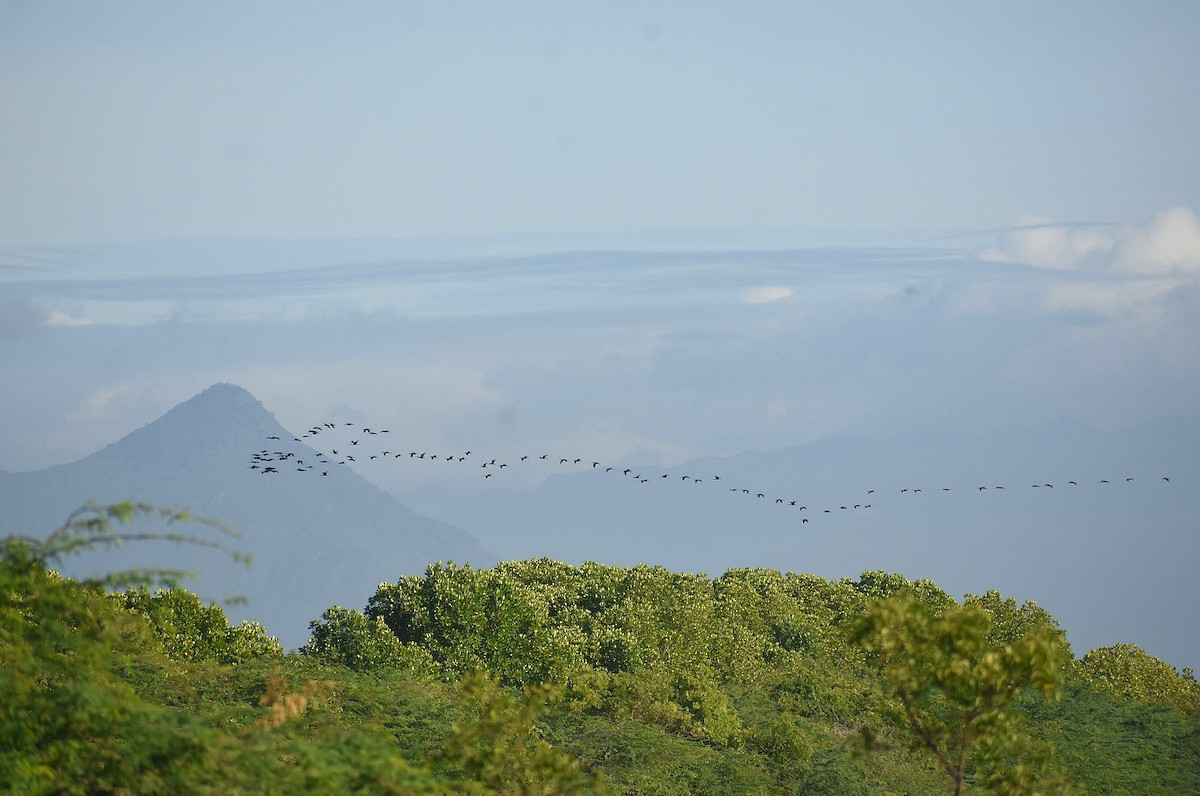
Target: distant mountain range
1115 562
312 548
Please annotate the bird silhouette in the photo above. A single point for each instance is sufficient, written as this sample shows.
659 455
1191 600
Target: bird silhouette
266 462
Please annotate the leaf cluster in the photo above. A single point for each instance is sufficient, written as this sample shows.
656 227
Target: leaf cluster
957 687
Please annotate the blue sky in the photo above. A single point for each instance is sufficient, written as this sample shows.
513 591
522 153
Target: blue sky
142 120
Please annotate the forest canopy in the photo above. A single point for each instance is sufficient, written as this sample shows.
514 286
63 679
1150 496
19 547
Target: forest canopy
541 677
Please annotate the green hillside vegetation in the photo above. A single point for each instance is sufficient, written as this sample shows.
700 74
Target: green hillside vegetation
535 677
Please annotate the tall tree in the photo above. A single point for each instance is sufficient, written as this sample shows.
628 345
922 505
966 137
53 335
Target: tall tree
957 689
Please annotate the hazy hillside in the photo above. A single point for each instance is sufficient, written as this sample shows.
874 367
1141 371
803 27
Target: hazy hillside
1113 561
312 548
1082 550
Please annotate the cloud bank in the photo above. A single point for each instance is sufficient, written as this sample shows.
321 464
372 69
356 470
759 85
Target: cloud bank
1169 243
646 356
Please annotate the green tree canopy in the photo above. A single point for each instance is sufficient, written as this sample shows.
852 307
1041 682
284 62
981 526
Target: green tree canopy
957 688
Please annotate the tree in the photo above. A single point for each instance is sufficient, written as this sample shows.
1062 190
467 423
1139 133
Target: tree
502 749
1011 622
1130 672
68 723
350 638
192 631
957 690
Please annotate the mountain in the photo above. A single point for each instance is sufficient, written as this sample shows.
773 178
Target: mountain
314 543
1114 562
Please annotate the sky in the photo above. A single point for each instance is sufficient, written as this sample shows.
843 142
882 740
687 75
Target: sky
145 120
652 231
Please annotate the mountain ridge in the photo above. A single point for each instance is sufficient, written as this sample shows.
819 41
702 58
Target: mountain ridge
1074 548
312 548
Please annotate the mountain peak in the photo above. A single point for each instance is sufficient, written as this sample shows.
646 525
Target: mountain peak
318 541
217 422
224 391
219 406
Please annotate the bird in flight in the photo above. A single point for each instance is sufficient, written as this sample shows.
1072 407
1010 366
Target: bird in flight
362 442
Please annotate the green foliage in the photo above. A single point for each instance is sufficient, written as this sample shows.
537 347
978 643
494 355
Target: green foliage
878 585
1131 673
496 620
348 637
67 724
1011 623
501 748
640 639
192 631
95 525
957 689
547 678
90 702
1112 745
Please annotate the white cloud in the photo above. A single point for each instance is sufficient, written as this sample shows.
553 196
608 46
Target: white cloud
1167 244
1170 243
60 318
1039 241
766 295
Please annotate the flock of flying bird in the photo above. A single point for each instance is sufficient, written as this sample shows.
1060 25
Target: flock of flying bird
363 444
